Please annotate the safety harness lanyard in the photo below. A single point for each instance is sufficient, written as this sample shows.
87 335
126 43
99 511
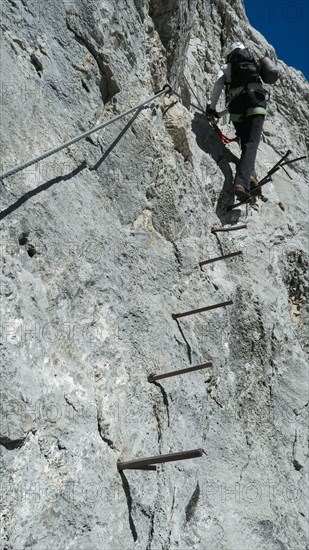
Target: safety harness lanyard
222 136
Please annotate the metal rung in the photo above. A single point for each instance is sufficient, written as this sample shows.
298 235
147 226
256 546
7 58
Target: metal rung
200 310
141 463
153 377
218 258
231 228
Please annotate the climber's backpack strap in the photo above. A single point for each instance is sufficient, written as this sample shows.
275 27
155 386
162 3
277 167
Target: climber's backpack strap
244 68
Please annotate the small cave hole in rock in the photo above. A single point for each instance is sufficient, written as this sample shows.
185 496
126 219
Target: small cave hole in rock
31 250
297 465
23 238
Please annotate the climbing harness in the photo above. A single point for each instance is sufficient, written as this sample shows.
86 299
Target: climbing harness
267 178
165 90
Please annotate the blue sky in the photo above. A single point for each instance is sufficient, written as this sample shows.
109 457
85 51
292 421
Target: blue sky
285 25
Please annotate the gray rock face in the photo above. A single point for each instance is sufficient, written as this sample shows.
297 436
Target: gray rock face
101 243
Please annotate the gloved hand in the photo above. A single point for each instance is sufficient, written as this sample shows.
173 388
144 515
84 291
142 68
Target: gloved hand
212 113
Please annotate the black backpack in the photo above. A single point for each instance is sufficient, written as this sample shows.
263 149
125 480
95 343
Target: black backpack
244 69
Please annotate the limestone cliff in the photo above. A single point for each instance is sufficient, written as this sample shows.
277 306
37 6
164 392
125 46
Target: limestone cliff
101 243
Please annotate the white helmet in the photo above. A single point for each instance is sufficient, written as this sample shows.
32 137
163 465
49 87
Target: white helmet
235 46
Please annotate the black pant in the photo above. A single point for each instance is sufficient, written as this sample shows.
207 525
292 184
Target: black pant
249 131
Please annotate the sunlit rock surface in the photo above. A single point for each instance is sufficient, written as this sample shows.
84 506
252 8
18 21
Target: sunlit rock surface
101 244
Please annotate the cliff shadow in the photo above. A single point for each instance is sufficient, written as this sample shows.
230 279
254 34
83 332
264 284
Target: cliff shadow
127 492
43 187
209 142
118 138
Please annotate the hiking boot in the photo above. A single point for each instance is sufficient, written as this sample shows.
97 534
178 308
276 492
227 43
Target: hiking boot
240 192
253 183
254 186
255 190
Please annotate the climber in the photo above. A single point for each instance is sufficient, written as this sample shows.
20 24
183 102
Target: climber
246 99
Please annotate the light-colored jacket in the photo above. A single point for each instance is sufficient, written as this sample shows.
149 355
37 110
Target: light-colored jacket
223 77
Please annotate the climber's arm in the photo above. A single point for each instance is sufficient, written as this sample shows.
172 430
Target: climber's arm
224 76
217 89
